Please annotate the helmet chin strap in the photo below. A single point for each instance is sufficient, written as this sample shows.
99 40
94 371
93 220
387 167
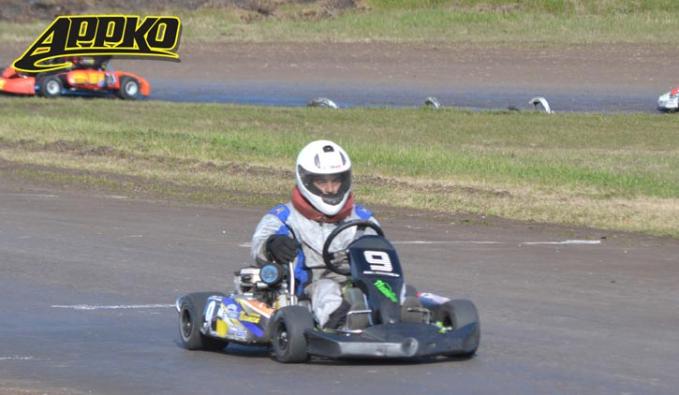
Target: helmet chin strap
303 206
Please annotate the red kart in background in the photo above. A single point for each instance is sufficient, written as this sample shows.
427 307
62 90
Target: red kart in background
88 76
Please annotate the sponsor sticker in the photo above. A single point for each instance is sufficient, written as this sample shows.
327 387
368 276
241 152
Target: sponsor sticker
151 37
386 290
231 311
254 318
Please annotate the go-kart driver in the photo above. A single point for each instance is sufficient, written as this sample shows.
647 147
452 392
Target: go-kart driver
90 62
321 200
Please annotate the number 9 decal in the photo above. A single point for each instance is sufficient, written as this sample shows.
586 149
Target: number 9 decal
379 261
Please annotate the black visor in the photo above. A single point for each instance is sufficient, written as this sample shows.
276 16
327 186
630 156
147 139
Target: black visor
309 179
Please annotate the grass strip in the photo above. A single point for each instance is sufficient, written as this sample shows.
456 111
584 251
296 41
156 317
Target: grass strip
609 171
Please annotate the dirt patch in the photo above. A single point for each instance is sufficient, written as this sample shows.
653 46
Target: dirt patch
88 181
427 187
83 149
240 169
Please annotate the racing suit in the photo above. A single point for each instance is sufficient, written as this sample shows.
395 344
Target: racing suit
321 285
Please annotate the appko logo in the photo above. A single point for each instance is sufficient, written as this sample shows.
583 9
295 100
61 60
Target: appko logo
153 37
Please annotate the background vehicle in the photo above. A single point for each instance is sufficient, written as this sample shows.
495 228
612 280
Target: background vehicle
87 77
387 319
669 101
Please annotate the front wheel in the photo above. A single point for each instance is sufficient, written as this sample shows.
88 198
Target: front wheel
129 88
459 314
191 318
287 334
51 86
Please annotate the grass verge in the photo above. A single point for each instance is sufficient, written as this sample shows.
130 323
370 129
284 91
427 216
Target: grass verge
437 25
608 171
512 22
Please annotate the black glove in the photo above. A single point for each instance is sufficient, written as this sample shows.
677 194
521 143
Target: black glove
281 248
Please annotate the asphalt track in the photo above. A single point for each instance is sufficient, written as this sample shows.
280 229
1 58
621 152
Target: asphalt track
562 310
288 94
583 78
602 78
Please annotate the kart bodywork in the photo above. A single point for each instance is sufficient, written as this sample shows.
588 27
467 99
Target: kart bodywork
81 80
387 319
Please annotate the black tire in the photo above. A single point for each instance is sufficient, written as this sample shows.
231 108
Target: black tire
191 318
287 334
129 89
51 86
458 314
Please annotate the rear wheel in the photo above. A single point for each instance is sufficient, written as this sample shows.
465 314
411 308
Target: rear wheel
191 318
287 334
129 88
51 86
458 314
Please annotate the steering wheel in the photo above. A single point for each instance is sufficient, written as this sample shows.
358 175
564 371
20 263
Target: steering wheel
335 261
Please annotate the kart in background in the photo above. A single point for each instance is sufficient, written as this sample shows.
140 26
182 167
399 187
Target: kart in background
87 77
387 319
669 102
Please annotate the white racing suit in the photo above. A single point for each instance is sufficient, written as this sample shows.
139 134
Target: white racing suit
321 285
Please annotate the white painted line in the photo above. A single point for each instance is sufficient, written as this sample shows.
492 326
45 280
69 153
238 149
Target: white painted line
114 307
425 242
565 242
480 242
33 195
418 242
17 358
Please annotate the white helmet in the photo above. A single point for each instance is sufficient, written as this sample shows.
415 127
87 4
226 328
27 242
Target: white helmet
319 160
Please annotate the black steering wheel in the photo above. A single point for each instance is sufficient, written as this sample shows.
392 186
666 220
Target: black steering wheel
335 261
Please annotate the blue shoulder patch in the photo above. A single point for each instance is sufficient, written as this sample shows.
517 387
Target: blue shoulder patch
281 211
362 212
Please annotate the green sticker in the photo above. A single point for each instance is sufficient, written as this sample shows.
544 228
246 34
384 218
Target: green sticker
386 290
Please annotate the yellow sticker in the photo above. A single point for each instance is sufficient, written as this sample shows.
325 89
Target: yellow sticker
254 318
222 328
86 77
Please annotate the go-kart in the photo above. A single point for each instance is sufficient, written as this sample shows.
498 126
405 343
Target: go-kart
669 101
387 319
82 80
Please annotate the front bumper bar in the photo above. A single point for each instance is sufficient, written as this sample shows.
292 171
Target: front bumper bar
398 341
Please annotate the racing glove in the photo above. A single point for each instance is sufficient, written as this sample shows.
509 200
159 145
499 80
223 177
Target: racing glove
281 248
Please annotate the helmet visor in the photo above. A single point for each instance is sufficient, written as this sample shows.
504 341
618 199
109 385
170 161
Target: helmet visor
330 187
